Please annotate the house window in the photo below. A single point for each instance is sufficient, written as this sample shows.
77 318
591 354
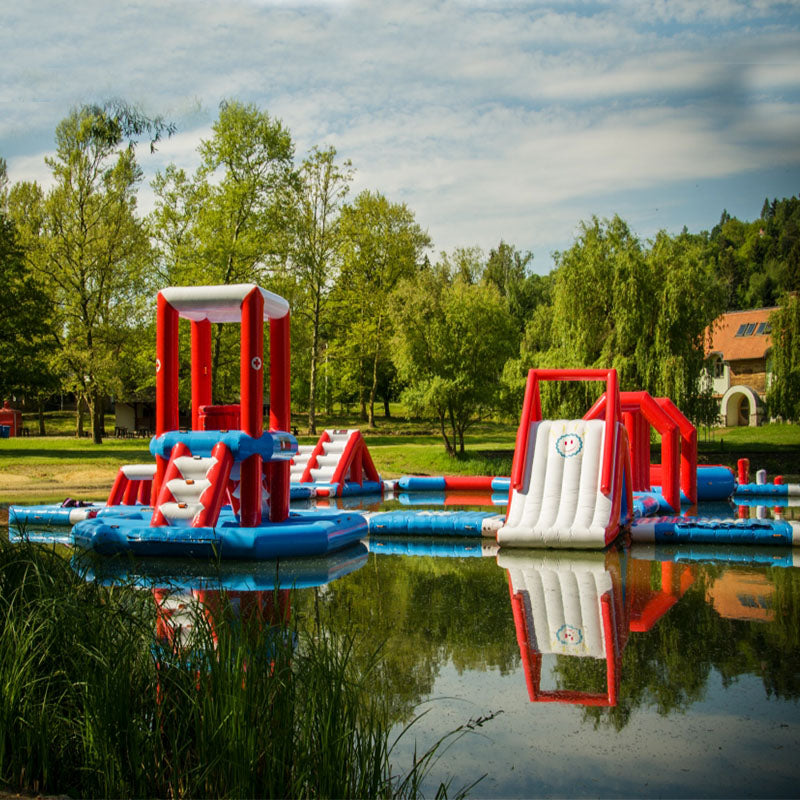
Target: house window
751 327
719 368
742 329
764 328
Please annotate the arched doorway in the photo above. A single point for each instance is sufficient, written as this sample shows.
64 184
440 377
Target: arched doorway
740 406
744 410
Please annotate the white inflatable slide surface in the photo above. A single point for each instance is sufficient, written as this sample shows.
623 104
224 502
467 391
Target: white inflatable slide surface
560 502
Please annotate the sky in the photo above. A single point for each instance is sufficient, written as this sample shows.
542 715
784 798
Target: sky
513 120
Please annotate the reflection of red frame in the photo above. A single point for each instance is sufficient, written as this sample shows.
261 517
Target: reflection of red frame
270 607
647 605
532 659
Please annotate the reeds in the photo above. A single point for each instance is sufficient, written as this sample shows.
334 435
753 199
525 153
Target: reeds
94 703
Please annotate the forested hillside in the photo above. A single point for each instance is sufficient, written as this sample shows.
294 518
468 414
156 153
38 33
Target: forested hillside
377 314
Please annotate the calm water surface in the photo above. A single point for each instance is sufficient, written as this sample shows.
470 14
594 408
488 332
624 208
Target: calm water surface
639 672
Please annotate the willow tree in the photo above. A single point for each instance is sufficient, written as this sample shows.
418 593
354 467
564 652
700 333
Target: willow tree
783 395
640 308
87 248
688 296
603 312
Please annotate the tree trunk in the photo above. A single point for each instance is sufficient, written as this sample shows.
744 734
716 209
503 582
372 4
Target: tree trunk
312 378
447 446
453 429
362 400
374 387
78 416
372 391
217 351
386 410
40 411
96 416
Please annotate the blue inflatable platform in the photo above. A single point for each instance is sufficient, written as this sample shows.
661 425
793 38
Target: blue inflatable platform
303 533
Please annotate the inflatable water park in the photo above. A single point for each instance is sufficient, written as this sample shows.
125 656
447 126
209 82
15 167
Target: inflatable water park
222 488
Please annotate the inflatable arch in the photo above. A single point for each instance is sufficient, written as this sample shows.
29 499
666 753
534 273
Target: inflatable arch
678 468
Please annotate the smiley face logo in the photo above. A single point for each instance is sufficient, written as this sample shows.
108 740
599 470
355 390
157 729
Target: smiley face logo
569 635
569 444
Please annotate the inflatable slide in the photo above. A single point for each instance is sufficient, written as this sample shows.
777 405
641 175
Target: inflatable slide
570 482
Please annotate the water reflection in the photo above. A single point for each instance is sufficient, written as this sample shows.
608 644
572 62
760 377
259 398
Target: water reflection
567 606
646 669
244 576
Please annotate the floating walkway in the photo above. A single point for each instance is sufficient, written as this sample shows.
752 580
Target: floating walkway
434 523
691 530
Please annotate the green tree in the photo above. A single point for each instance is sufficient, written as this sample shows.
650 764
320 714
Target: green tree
315 251
688 297
381 244
24 318
602 315
618 303
451 341
86 247
783 394
759 261
226 224
525 291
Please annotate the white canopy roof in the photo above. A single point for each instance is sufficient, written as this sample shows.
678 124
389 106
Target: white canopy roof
221 303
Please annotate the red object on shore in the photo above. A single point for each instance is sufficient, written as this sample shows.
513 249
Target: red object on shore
11 417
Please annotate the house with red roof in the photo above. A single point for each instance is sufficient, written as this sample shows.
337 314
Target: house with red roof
738 346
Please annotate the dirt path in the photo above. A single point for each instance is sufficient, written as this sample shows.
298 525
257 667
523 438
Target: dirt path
34 483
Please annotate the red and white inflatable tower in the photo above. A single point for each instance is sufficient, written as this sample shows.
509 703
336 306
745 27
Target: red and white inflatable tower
248 305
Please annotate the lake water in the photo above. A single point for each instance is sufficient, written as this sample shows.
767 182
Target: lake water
636 672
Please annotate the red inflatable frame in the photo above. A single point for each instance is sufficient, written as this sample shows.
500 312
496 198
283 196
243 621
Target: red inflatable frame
678 468
250 306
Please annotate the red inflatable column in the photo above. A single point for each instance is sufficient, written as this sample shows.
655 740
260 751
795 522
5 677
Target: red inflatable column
166 378
201 369
279 414
251 372
743 470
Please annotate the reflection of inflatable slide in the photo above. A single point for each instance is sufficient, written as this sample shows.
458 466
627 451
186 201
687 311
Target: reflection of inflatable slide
567 606
585 605
570 481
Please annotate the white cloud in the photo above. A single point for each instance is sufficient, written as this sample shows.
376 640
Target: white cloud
488 119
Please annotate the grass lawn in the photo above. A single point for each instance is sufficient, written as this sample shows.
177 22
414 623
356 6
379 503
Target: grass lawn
48 468
774 447
45 469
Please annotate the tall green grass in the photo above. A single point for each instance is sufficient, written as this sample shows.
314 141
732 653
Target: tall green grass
94 704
